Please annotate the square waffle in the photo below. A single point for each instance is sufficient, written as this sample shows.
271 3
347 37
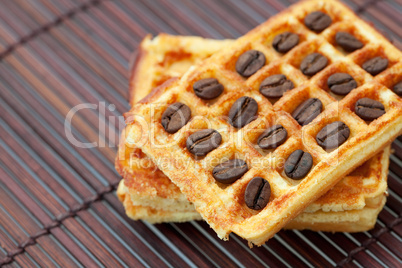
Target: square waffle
357 220
352 205
222 206
153 197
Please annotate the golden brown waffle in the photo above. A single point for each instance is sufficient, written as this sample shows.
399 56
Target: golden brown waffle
160 193
223 206
356 220
351 205
137 211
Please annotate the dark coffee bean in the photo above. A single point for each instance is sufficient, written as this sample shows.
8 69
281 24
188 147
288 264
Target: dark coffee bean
243 111
175 117
347 41
317 21
275 85
272 137
307 111
250 62
398 88
333 135
375 65
298 164
257 194
369 109
208 88
313 63
202 142
229 171
341 83
285 41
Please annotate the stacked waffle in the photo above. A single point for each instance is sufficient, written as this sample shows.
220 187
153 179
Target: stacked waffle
288 126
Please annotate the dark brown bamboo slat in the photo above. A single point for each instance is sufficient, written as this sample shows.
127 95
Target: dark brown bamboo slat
57 254
27 200
66 175
42 171
47 198
57 205
56 126
75 160
36 79
82 257
132 243
141 233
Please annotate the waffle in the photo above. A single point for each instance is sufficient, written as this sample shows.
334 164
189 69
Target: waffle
156 55
223 206
351 205
357 220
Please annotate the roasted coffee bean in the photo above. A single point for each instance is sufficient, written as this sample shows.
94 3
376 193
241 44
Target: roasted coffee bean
275 85
257 194
375 65
285 41
175 117
307 111
250 62
347 41
369 109
317 21
202 142
229 171
398 88
298 164
208 88
272 137
313 63
243 111
333 135
341 83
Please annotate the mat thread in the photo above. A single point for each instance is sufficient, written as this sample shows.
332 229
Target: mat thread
366 243
56 223
47 26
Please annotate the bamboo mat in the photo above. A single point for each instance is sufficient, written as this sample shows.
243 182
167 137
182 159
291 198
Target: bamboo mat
57 201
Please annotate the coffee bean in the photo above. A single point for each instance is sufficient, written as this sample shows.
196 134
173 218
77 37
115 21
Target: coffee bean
375 65
347 41
313 63
369 109
229 171
307 111
202 142
285 41
298 164
272 137
257 194
317 21
341 83
398 88
175 117
333 135
208 88
242 112
275 85
250 62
